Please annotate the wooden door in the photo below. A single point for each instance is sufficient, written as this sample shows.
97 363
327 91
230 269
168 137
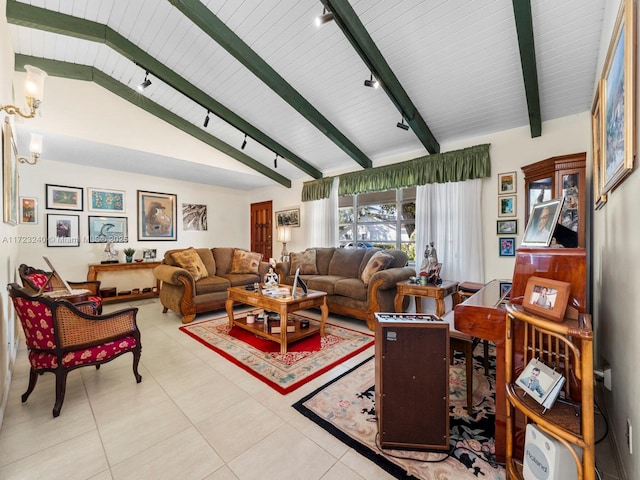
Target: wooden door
262 228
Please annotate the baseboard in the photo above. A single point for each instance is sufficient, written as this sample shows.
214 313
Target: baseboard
600 398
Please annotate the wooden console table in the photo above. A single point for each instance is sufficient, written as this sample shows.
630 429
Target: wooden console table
96 268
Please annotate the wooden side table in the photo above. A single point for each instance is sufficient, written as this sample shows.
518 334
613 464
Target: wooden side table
437 292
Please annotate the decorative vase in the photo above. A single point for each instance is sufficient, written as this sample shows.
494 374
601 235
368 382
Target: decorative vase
129 259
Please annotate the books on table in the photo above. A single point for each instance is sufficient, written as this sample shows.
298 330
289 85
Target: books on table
541 382
275 328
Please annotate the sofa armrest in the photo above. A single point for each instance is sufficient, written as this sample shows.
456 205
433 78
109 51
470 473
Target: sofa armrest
282 269
390 277
173 275
263 269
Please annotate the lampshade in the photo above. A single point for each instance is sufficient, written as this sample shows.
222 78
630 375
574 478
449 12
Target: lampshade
34 85
35 146
284 234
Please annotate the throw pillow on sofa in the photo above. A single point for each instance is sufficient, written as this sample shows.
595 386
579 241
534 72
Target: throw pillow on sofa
191 262
305 260
379 261
245 262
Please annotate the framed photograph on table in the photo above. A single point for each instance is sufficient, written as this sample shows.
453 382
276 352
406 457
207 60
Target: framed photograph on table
60 197
108 229
63 230
105 201
547 298
507 183
29 210
542 223
507 246
617 101
507 206
157 216
289 218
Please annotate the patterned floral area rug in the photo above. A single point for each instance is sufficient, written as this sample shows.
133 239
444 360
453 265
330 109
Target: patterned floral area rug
304 360
345 407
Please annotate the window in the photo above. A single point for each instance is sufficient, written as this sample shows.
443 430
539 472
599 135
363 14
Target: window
380 219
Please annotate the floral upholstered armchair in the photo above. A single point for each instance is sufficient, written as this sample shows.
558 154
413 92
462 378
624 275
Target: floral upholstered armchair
34 279
61 337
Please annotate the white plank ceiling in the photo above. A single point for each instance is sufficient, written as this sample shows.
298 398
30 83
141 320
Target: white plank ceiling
458 61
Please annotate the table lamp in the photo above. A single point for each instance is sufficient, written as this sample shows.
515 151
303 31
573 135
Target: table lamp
284 235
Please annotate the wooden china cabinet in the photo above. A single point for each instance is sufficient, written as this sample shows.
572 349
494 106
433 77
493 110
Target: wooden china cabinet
556 177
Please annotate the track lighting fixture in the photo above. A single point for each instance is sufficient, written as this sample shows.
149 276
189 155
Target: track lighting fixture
146 82
371 82
324 18
244 142
206 120
275 161
402 125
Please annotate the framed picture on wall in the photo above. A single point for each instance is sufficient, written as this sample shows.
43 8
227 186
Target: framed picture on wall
28 210
157 216
507 227
108 229
288 217
507 183
60 197
507 246
10 175
105 201
63 230
507 206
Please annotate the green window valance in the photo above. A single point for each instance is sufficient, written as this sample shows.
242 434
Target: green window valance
456 166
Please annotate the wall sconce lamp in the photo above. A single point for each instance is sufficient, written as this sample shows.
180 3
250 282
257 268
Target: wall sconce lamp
35 148
33 92
284 236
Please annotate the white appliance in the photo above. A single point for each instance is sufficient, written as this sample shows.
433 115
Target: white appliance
545 458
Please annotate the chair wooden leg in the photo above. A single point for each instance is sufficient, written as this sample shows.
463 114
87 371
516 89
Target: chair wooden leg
33 379
136 360
486 357
468 358
61 387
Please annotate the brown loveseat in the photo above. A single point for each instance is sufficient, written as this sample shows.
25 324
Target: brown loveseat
341 272
195 280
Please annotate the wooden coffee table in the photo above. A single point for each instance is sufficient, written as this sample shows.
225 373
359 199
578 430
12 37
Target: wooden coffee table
283 305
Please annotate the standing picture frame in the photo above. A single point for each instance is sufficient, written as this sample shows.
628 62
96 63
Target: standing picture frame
105 200
288 217
108 229
157 216
546 297
28 210
10 175
542 223
617 99
507 183
507 206
60 197
63 230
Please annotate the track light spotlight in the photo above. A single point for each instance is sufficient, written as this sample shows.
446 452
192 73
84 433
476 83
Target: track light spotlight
206 120
244 142
275 161
145 83
324 18
402 125
371 82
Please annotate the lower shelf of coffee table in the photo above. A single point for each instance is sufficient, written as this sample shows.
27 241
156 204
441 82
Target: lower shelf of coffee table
258 328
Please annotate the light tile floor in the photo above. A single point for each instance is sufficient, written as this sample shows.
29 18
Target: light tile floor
194 416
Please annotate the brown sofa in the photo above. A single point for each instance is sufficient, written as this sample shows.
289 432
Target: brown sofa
219 268
339 272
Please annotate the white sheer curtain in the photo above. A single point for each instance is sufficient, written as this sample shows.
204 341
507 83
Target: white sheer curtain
450 216
323 219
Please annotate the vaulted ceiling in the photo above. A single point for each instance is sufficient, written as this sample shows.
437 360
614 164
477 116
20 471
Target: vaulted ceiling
448 69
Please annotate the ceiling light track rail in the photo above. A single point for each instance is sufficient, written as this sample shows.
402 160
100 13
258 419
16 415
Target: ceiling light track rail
209 23
347 20
84 72
47 20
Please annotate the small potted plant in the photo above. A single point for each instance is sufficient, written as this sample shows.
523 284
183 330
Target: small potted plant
128 253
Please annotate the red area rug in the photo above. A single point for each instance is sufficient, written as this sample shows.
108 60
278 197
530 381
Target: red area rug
304 360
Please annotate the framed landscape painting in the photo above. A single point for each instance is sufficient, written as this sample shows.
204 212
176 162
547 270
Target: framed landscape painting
157 216
507 206
288 217
60 197
29 210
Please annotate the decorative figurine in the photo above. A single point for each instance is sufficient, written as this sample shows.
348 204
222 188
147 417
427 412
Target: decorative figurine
111 253
271 279
430 267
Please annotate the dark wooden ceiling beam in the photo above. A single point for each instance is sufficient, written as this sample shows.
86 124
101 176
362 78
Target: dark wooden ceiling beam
47 20
524 29
209 23
350 24
84 72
